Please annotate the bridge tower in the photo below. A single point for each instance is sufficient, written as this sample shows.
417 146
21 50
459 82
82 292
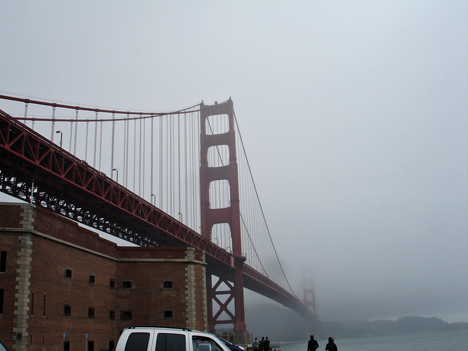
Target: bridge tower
309 301
223 292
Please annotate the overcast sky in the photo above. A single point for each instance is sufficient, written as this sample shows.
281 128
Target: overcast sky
354 115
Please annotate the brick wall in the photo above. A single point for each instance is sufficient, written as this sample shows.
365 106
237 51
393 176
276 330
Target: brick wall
8 244
10 216
155 286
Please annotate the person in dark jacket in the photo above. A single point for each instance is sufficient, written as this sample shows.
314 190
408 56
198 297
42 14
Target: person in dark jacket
312 345
331 346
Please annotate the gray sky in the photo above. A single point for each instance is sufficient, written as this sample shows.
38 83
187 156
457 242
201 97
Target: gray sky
354 115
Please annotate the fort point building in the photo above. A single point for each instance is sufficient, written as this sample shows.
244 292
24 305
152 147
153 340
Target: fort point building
62 287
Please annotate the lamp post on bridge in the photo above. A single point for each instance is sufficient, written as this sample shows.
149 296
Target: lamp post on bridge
61 136
116 170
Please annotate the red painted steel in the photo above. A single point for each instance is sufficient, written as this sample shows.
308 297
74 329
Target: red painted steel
27 152
70 187
309 301
229 215
92 109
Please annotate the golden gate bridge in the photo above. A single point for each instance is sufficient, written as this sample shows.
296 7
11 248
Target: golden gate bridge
154 179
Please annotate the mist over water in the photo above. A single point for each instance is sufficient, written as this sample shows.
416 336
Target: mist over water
353 115
439 341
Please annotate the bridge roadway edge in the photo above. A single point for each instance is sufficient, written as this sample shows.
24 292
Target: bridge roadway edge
64 183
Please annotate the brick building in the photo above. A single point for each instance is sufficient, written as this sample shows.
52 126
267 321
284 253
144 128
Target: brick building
62 287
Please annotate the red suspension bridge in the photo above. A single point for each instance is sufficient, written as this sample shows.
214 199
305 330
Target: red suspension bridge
179 178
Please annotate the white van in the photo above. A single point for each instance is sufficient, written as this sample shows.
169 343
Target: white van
167 339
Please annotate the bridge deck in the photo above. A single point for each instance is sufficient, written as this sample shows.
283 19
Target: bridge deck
34 169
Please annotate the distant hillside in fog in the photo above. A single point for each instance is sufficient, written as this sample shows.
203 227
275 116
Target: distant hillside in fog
281 324
402 325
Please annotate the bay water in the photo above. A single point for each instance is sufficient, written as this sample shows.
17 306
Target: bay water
436 341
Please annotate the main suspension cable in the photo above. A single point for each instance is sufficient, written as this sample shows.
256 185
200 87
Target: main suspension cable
261 208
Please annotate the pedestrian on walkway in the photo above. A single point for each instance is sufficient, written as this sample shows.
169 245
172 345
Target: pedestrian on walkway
312 345
331 346
256 345
262 343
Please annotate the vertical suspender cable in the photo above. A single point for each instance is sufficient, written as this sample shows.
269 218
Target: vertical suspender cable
134 154
76 132
151 160
127 141
171 158
261 210
190 199
71 133
100 148
125 153
112 146
166 166
196 146
86 146
173 166
161 155
95 140
178 156
143 158
139 160
195 168
197 181
186 172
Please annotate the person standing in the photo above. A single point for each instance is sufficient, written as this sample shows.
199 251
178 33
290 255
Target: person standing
262 343
266 345
256 345
312 345
331 346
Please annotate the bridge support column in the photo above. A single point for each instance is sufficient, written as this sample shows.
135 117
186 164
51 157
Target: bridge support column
309 302
229 215
221 295
240 326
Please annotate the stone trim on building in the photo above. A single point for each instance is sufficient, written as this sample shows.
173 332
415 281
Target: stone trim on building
205 311
190 290
27 217
23 281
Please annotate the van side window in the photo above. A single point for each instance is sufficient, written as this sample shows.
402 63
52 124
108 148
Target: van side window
202 343
170 342
137 342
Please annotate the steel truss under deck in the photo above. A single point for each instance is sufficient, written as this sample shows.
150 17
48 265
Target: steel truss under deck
34 169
